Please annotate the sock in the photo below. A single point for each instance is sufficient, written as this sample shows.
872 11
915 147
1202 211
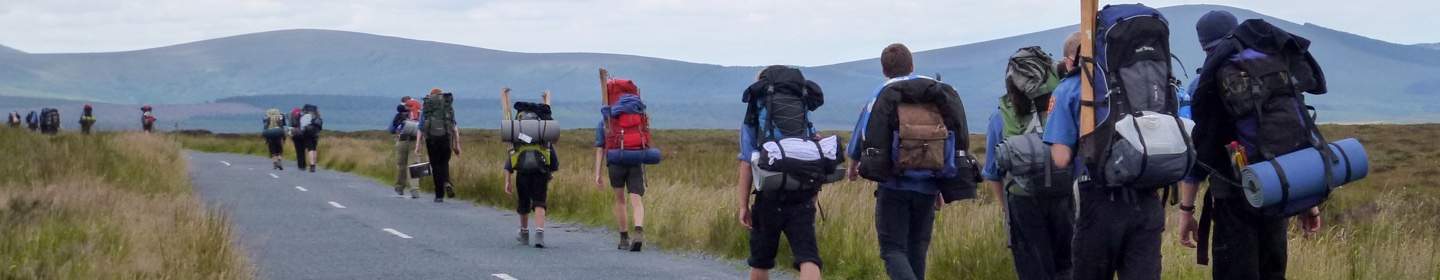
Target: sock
625 235
539 230
524 230
639 229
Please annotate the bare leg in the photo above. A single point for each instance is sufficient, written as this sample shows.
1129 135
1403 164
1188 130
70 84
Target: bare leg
524 221
759 274
311 155
638 207
539 217
620 210
809 271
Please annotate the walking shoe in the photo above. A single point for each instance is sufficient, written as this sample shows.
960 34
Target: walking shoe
312 168
624 242
524 237
277 166
437 199
414 193
539 238
639 239
449 190
400 190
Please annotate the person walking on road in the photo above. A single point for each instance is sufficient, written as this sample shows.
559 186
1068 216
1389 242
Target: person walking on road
406 128
274 134
441 138
531 165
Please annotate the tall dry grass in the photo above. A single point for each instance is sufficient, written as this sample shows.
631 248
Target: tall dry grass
1379 228
107 206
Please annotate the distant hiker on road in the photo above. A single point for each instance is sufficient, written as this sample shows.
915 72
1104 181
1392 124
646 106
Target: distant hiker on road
297 138
87 120
274 133
776 137
441 138
147 119
14 120
33 121
531 165
310 126
929 166
406 127
627 131
1036 197
1247 64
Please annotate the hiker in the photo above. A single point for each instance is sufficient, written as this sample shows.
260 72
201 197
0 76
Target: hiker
1120 216
531 165
441 138
1249 242
147 119
33 121
274 133
14 120
1037 198
914 180
774 134
627 131
297 138
50 121
406 126
87 120
310 126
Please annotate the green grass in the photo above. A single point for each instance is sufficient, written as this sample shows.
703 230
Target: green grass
1379 228
107 206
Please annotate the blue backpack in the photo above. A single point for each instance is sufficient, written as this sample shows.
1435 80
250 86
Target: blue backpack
1140 141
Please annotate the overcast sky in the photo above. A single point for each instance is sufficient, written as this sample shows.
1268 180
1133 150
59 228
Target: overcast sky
726 32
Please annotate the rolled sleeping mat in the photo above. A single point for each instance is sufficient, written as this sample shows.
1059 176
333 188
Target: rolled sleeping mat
1306 173
633 157
529 131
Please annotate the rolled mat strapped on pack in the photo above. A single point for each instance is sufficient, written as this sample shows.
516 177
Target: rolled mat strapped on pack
633 157
517 131
1306 173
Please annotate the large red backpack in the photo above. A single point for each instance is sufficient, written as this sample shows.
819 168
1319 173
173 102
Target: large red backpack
626 131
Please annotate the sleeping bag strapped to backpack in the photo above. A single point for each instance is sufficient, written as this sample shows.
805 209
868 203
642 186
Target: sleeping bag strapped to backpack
532 156
439 116
627 131
1022 153
274 124
912 133
310 121
790 154
1139 142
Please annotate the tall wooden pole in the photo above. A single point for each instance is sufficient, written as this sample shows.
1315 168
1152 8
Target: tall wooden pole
505 102
605 94
545 96
1088 14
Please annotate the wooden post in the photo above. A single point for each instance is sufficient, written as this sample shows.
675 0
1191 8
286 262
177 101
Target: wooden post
1088 14
605 94
545 96
505 102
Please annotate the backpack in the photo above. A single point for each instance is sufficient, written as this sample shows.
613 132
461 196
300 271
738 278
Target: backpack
295 117
790 154
628 123
311 122
50 120
1022 152
534 156
274 124
439 116
911 132
1140 142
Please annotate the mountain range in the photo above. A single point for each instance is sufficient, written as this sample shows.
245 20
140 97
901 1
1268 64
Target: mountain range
1370 80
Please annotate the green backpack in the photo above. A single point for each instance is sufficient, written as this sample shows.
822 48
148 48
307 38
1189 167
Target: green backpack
531 157
439 116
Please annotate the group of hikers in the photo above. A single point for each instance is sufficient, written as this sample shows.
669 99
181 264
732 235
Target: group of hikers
1082 178
302 126
47 120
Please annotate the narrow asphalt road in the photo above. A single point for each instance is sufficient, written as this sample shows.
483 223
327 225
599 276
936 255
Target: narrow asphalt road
334 225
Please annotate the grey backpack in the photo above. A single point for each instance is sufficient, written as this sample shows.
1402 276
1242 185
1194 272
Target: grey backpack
1027 158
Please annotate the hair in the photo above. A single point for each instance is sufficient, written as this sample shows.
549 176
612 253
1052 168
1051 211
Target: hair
435 91
896 61
403 99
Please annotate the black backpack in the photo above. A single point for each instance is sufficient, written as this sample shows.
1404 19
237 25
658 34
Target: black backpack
778 107
50 120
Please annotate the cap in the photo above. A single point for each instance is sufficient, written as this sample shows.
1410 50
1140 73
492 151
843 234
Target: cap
1214 26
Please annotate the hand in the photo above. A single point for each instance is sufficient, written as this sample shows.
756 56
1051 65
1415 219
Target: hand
1309 222
853 173
939 201
508 188
745 218
455 148
599 182
1188 229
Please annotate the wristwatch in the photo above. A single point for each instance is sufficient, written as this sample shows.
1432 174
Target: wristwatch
1190 208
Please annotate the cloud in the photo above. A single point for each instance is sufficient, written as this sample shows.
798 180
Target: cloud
739 32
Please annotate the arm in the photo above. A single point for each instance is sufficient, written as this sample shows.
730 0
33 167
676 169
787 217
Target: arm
455 139
1062 128
743 194
992 171
599 154
1188 226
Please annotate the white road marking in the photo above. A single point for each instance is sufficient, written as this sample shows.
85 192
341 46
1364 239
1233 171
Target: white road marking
337 205
503 276
273 175
301 189
252 168
350 186
402 235
226 163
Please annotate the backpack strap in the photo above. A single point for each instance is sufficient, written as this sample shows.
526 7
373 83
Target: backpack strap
1202 248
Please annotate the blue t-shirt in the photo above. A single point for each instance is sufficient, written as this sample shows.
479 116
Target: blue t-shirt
1063 126
899 183
747 142
994 133
600 135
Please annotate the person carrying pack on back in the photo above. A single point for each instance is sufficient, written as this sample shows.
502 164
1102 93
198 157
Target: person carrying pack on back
50 121
147 119
1249 97
406 128
531 162
14 120
911 140
310 126
783 163
87 120
1138 146
625 128
296 138
1037 199
274 133
441 138
32 121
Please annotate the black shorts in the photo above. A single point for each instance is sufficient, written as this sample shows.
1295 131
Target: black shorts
630 177
770 218
275 144
530 189
309 142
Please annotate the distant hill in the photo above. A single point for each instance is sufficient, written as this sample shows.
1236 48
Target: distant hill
1428 45
8 50
1370 80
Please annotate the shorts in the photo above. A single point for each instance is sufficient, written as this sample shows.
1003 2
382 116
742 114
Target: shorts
309 142
630 177
275 144
796 220
530 189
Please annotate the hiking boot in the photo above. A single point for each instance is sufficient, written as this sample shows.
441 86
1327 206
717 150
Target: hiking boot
524 237
400 190
437 199
277 166
639 240
539 238
414 193
312 168
624 242
449 190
